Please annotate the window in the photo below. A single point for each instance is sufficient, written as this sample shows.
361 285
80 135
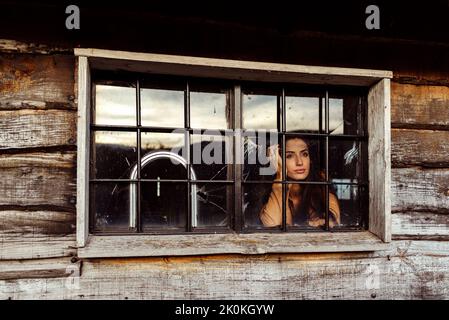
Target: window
194 153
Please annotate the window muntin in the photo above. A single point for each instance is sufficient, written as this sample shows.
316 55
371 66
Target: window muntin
211 101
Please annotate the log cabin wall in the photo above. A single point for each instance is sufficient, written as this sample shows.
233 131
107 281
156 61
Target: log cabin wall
38 113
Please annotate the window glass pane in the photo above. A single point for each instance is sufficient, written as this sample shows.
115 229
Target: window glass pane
211 156
262 205
109 203
345 115
259 148
348 161
209 110
114 153
214 205
163 205
162 107
114 105
259 111
162 156
303 113
353 203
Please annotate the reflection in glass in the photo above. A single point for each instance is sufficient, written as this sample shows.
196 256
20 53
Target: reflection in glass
347 159
163 205
211 156
115 105
351 199
208 110
109 203
302 113
215 203
113 154
259 111
162 108
163 168
345 115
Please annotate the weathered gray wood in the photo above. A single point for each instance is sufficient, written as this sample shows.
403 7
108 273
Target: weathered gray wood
17 225
36 81
37 128
379 159
39 268
232 69
428 148
409 270
419 106
174 245
38 179
82 190
420 225
38 248
418 189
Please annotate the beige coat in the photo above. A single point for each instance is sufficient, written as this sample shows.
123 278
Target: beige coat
271 213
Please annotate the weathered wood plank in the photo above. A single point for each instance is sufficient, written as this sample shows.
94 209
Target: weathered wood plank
419 106
36 81
419 189
38 179
14 46
428 148
39 268
38 248
379 155
420 225
256 243
409 270
37 128
35 224
230 69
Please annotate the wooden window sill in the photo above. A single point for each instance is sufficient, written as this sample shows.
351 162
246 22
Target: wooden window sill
203 244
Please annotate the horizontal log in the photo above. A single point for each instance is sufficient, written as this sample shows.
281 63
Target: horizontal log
24 249
37 128
420 225
39 179
39 81
421 106
14 46
35 224
409 270
429 148
40 268
418 189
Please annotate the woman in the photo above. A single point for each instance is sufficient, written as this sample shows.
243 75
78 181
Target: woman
306 202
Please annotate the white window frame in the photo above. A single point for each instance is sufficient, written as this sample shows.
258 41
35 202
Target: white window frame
376 237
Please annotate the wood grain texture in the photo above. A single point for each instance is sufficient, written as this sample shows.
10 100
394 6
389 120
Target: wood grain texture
428 148
14 46
38 248
36 81
420 225
37 128
39 268
419 106
409 270
379 159
419 189
16 225
38 179
255 243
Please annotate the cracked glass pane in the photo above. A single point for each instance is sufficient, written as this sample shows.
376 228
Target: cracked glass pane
113 154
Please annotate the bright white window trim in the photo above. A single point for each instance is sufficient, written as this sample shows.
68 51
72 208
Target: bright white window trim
376 238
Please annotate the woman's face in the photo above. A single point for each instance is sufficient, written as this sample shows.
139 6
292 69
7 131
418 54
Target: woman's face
297 159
